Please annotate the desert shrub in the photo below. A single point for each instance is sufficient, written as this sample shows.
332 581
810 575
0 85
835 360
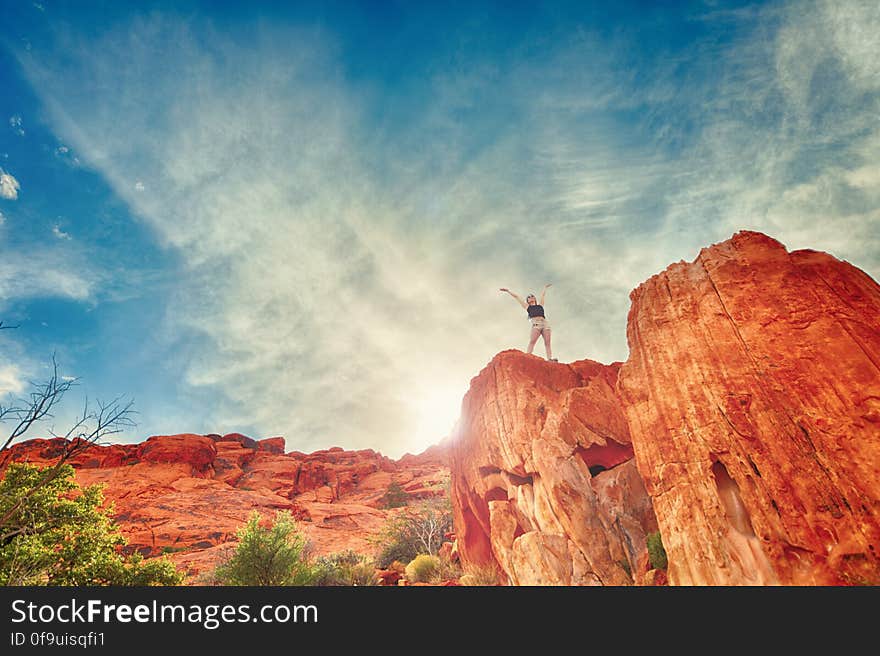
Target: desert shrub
448 570
344 568
416 530
656 552
395 496
57 533
480 575
265 556
424 568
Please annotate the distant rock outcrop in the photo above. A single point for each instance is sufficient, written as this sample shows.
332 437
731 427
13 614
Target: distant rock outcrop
187 495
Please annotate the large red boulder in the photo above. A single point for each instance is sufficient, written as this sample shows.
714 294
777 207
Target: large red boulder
752 392
542 478
197 451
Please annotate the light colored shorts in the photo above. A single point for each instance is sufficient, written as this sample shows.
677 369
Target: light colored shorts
540 324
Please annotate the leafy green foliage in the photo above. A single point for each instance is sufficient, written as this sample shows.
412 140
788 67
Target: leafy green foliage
266 556
415 530
656 552
344 568
53 532
424 568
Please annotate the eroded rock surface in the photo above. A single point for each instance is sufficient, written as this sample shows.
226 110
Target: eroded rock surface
543 484
752 392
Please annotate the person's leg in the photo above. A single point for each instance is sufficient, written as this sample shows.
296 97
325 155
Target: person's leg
546 332
533 338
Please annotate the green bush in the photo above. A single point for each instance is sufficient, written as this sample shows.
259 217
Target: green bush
56 533
395 496
424 568
344 568
656 552
268 556
416 530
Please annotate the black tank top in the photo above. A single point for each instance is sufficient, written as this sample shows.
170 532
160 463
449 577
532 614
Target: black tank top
535 311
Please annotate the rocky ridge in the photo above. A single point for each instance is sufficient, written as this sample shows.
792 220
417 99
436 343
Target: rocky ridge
186 495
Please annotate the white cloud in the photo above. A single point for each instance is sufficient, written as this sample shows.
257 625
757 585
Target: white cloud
37 273
11 381
2 218
8 186
62 150
15 124
59 233
139 186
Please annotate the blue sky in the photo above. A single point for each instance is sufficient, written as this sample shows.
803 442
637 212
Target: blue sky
295 221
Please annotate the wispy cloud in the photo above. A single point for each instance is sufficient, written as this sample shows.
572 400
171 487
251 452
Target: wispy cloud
11 381
342 273
9 186
15 124
59 233
38 273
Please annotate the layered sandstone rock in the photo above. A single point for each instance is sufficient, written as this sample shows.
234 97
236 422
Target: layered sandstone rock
187 495
752 392
543 486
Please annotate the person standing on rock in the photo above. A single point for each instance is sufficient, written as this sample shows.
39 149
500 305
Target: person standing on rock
540 325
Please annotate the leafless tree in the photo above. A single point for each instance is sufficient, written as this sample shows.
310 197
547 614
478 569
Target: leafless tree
430 523
93 424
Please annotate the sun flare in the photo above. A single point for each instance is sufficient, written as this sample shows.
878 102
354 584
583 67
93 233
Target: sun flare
434 414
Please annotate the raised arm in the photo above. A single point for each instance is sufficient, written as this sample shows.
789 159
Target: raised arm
544 292
518 299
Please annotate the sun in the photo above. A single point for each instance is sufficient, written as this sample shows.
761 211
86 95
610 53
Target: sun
434 413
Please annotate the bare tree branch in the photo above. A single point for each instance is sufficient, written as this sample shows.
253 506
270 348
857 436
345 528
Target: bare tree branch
91 425
42 399
106 419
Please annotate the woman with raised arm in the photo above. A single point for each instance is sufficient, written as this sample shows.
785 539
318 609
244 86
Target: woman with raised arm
540 325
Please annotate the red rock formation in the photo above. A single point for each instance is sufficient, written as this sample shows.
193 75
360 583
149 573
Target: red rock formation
543 484
196 451
188 495
752 392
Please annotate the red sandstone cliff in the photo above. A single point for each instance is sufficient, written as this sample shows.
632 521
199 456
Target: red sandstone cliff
751 401
544 486
752 392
